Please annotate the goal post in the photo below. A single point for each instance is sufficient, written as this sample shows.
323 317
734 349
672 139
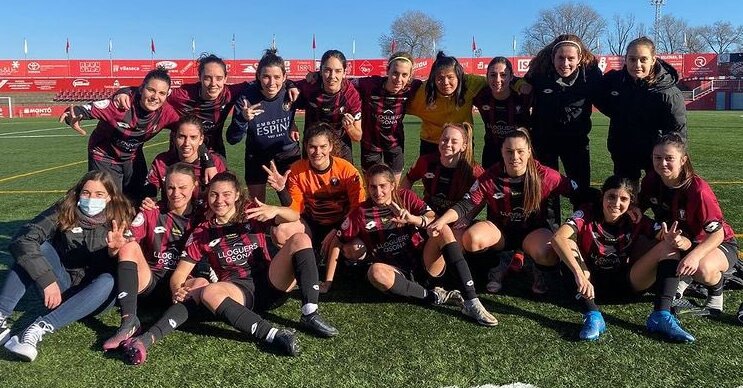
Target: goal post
6 112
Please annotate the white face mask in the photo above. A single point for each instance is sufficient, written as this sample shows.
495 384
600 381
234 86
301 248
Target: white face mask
91 206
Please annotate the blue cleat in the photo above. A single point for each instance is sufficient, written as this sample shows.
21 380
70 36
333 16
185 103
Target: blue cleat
593 326
664 323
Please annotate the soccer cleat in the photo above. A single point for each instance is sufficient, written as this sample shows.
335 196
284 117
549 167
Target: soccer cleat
714 304
135 351
453 297
129 328
664 323
286 340
495 277
740 313
593 326
316 324
25 346
475 310
4 329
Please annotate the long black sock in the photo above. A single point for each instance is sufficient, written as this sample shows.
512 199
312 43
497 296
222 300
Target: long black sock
243 319
128 280
716 289
666 283
453 256
405 287
305 271
586 304
173 317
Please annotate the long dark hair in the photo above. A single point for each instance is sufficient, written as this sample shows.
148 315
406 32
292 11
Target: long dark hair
441 63
677 140
645 41
118 208
322 129
243 199
464 174
386 171
207 58
532 180
611 183
270 58
543 62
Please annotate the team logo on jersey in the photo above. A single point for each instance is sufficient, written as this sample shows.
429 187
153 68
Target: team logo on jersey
214 242
429 175
474 186
712 226
498 195
682 214
176 232
485 107
371 225
286 106
76 229
574 184
248 228
518 109
547 91
159 229
123 125
138 220
172 323
102 104
654 200
614 93
357 116
335 181
345 225
578 214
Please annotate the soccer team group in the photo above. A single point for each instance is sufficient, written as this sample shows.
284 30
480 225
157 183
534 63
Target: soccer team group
212 247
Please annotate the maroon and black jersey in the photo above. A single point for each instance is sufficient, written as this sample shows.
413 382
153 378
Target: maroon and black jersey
156 176
607 247
232 250
382 113
504 196
161 234
386 242
501 116
442 186
329 108
695 207
120 134
213 113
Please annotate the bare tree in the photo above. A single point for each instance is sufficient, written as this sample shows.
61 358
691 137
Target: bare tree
694 42
415 32
670 35
720 36
621 33
567 18
641 30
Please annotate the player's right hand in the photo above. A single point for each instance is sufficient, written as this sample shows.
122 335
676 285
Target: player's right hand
69 118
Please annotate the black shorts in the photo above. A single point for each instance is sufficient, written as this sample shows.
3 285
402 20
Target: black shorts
129 175
159 287
318 231
259 293
515 237
730 249
254 174
614 285
394 158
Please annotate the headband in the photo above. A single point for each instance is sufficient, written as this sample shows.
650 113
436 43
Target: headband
400 59
563 42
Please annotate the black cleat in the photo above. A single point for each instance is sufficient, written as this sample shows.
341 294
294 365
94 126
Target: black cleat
317 325
286 340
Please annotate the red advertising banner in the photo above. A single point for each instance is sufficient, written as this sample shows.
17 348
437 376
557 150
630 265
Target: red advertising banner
700 65
38 110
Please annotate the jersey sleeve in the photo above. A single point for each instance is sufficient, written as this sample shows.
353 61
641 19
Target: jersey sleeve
139 226
353 102
417 171
295 192
577 220
355 187
709 213
413 203
475 83
194 250
350 227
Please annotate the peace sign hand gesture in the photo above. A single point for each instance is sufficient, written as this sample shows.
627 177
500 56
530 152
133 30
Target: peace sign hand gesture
263 212
115 238
250 111
672 236
275 179
401 215
69 118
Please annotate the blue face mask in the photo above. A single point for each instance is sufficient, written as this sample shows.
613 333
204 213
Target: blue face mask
91 206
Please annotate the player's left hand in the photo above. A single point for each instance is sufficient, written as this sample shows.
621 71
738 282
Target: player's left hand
274 177
115 238
401 215
209 173
263 212
69 118
347 121
293 94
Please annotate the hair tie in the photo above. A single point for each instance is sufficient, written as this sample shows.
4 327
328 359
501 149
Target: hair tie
563 42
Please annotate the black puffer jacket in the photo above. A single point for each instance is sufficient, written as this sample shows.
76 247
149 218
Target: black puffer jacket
559 110
82 251
640 111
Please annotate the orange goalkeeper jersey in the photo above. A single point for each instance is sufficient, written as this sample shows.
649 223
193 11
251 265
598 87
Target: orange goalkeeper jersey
327 196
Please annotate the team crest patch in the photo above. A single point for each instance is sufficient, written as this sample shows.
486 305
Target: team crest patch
102 104
176 232
160 229
574 184
346 224
614 93
682 214
138 220
578 214
335 181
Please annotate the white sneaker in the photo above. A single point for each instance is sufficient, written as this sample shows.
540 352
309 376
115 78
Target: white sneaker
25 346
453 297
475 310
4 328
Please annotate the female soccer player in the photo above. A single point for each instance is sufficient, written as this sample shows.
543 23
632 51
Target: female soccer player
515 192
565 80
383 110
64 251
502 110
446 97
116 143
609 254
266 115
643 103
187 148
334 101
448 176
676 194
386 225
148 258
253 274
